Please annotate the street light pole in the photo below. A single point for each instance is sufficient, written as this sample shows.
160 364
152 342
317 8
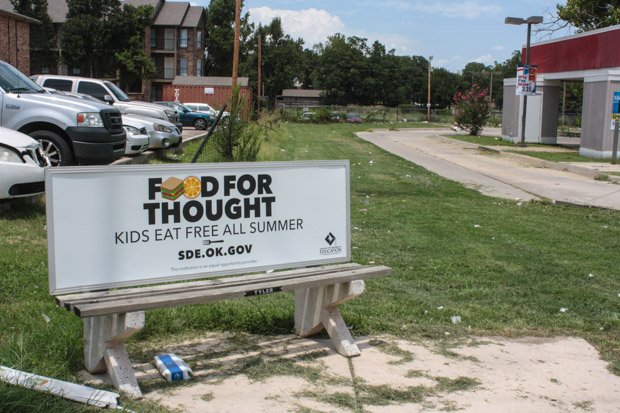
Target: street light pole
428 105
518 21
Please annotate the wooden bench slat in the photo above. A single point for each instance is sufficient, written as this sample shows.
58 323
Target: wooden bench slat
71 300
208 293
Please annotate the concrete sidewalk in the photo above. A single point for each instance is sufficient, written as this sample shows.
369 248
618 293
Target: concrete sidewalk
497 173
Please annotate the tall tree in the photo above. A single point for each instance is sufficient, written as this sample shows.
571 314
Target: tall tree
282 59
43 50
88 36
220 37
101 37
342 68
132 61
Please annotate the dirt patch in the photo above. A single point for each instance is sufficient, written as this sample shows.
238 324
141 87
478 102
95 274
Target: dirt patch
240 373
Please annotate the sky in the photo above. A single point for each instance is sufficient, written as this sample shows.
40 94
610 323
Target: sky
453 32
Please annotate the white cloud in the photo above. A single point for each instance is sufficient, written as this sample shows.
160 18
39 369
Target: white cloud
312 25
498 48
486 59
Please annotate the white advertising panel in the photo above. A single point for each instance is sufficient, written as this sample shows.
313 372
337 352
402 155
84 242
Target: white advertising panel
128 225
526 80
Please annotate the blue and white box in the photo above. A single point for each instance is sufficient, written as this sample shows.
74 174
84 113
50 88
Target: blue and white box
172 367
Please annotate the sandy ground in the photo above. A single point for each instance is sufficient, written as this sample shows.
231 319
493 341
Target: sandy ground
253 374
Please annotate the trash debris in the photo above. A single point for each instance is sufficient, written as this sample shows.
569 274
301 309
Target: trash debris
364 210
446 333
455 319
371 162
476 226
590 275
563 310
371 262
440 307
172 367
71 391
519 203
46 318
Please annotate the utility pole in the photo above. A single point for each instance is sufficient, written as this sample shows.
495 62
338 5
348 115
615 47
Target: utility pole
259 73
236 46
428 105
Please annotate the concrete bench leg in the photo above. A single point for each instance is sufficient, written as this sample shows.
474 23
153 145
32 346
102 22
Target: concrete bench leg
104 349
317 308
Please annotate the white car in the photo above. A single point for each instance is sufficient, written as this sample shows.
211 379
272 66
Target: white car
137 140
203 107
162 134
21 165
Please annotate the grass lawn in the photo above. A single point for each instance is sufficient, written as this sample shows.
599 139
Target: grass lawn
505 269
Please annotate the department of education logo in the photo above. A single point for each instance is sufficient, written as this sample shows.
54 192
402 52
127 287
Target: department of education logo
330 239
332 249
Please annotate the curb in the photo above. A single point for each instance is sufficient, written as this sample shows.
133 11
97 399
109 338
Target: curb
149 154
578 170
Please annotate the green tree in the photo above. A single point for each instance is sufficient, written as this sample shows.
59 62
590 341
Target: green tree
88 37
101 37
342 68
43 50
281 60
132 61
589 14
220 37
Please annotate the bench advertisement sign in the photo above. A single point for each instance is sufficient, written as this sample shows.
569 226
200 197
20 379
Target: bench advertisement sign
119 226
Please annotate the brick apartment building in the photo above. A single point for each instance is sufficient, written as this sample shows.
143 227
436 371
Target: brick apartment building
15 38
174 42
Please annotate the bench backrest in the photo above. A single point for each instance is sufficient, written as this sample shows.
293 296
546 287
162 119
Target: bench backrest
117 226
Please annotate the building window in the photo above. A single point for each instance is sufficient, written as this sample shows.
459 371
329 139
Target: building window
199 67
76 71
183 38
199 40
153 38
169 67
169 39
183 66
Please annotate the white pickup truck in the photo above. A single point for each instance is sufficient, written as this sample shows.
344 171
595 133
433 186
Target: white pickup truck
69 130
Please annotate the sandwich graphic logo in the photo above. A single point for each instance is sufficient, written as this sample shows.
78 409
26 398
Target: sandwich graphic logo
172 188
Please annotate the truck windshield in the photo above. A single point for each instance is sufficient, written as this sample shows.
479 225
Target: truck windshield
120 95
14 81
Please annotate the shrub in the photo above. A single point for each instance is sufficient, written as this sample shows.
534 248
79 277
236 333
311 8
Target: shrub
237 139
472 110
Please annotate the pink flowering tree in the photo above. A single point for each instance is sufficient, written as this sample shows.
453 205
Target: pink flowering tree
472 110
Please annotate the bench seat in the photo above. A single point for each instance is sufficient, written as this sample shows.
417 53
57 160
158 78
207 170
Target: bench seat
111 316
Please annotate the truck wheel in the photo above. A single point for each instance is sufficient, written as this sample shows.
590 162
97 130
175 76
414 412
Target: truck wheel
53 147
200 124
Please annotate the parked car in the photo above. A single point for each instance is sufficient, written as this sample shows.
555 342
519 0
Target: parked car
308 116
203 107
162 134
189 117
69 130
354 118
108 92
21 165
138 140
